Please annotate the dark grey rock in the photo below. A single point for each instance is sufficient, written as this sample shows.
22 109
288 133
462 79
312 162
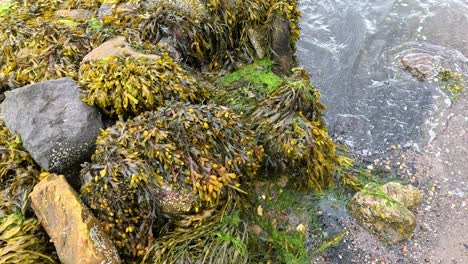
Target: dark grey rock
56 127
283 54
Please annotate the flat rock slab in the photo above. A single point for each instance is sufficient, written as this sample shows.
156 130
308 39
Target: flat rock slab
77 236
56 127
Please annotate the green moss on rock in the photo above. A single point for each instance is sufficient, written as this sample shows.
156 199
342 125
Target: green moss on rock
246 87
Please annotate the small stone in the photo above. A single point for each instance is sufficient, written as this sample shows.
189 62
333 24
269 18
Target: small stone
77 235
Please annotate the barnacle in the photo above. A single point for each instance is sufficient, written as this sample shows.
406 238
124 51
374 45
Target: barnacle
290 125
18 173
23 241
200 148
128 86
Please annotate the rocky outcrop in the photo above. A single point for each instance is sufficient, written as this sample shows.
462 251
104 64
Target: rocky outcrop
56 127
384 210
77 236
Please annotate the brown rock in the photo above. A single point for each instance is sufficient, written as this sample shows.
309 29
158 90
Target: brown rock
114 47
384 210
407 195
75 232
74 14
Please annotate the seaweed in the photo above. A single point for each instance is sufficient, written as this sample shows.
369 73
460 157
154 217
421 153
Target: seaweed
18 173
128 86
290 125
194 155
23 241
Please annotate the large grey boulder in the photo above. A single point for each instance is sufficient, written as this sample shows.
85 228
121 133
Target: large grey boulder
56 127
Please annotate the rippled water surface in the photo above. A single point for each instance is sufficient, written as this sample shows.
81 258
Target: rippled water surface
354 48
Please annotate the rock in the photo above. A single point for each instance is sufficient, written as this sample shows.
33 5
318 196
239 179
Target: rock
56 128
171 48
175 201
283 53
407 195
77 236
114 47
421 65
389 219
257 39
74 14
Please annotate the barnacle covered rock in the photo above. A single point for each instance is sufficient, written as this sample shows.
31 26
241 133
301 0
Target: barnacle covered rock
56 127
128 86
22 241
290 125
18 173
202 149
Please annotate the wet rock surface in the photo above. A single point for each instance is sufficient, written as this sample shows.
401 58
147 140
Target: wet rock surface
56 128
75 232
383 210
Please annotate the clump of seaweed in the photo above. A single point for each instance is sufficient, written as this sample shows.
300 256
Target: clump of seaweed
128 86
18 173
291 127
38 46
213 33
222 238
22 241
452 83
194 155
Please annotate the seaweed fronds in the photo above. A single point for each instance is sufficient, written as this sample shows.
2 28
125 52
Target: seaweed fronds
22 241
193 154
291 127
128 86
18 173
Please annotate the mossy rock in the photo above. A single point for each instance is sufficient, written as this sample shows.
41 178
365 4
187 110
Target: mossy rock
127 85
202 149
245 88
384 210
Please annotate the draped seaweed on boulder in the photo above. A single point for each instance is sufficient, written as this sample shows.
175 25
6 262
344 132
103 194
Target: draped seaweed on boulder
193 156
128 86
290 125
